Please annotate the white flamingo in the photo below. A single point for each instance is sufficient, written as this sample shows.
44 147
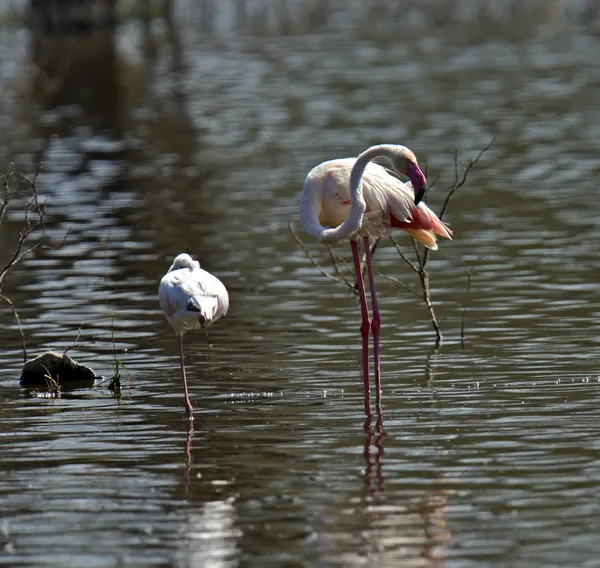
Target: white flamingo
350 197
191 298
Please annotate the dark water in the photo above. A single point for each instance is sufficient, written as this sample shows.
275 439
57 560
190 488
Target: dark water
180 139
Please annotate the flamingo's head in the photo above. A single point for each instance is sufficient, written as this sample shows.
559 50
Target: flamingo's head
405 162
184 260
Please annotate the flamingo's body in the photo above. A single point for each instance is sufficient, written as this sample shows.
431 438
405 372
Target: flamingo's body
390 203
351 197
191 298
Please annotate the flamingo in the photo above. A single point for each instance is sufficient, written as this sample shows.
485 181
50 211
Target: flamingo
191 298
349 197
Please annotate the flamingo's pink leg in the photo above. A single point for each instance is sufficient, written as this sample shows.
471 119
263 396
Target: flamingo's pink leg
189 411
366 323
376 322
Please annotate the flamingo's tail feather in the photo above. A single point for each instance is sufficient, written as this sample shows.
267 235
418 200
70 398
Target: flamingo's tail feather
426 238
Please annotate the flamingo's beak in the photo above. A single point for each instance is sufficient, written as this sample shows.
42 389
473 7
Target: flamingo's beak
418 180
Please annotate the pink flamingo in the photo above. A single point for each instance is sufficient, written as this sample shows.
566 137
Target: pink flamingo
349 197
191 298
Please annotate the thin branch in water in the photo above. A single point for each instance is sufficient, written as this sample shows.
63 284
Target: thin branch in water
344 280
418 255
33 223
29 227
458 184
429 186
410 263
7 300
8 193
334 255
74 342
423 258
398 283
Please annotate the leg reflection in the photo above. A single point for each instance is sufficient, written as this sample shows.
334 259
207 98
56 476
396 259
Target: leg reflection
373 458
188 454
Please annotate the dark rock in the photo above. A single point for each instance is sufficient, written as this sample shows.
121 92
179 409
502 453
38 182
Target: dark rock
62 369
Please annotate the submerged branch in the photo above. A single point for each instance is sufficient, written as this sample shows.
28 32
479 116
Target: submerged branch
341 279
33 227
459 183
420 267
75 341
8 301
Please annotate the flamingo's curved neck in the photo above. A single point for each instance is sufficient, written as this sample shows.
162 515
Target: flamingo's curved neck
357 210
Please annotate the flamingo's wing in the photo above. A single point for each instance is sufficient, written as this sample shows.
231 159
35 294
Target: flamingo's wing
387 194
394 174
212 294
395 200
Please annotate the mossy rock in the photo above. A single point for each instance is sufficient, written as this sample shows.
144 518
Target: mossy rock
63 371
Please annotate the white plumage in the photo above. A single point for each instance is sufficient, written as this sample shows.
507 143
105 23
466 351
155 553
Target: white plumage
384 195
191 298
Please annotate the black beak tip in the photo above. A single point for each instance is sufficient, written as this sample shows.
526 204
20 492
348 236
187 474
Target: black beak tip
419 196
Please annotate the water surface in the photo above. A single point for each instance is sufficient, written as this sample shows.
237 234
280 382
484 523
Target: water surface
198 141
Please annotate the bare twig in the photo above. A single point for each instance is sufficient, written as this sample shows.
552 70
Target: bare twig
7 300
8 192
52 384
410 263
422 256
429 186
20 250
334 256
76 340
33 223
398 283
342 280
458 184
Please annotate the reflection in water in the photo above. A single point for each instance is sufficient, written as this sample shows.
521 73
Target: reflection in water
438 537
210 535
388 536
203 144
188 453
62 78
373 460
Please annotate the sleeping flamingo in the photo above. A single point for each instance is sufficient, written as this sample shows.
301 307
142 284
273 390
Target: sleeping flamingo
191 298
350 197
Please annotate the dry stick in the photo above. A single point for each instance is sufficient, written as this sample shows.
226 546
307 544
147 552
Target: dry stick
7 191
403 256
422 260
41 209
18 320
74 342
459 184
333 254
29 227
342 280
398 283
424 278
